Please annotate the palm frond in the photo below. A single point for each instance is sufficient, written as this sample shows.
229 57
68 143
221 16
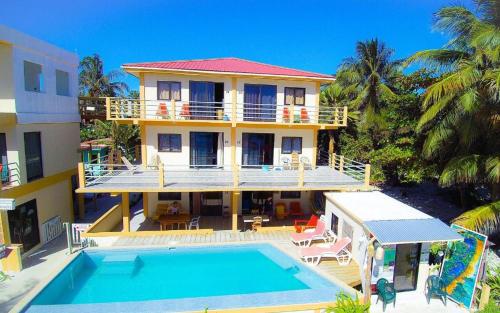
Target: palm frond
463 169
492 169
484 219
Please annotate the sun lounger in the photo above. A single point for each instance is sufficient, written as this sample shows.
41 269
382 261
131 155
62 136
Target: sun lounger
305 238
129 165
338 250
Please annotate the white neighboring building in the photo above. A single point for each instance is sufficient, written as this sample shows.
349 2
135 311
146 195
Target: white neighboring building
39 137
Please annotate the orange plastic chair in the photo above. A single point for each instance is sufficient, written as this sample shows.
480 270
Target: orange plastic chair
185 111
286 114
301 225
295 209
162 110
304 116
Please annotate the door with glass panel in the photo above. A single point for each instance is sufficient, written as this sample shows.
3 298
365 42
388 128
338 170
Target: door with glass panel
206 100
23 225
206 149
260 103
257 149
406 267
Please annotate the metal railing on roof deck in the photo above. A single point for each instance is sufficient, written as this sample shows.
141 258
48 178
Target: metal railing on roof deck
9 175
342 172
123 109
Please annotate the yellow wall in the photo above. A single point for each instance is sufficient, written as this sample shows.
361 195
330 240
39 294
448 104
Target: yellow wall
7 104
108 221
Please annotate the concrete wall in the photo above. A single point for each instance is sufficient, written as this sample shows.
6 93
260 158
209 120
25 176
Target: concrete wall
7 104
45 106
182 158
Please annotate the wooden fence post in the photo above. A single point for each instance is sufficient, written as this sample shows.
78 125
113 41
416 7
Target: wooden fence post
367 175
344 116
341 164
108 108
81 175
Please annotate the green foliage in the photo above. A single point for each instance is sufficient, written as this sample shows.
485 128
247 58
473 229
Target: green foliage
493 281
491 307
345 304
94 83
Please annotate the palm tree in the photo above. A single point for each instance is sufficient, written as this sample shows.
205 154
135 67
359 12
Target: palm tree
120 137
461 118
367 78
94 83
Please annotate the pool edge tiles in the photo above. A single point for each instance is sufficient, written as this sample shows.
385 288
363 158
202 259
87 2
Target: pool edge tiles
319 289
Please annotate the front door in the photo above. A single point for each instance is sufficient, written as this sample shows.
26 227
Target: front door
23 225
206 149
406 266
258 149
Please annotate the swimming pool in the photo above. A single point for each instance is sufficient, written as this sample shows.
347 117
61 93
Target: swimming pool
182 279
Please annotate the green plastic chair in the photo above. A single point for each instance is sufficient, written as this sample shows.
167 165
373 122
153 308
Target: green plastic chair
386 292
435 287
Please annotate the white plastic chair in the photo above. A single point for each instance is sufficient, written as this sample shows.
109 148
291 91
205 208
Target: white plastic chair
286 162
195 222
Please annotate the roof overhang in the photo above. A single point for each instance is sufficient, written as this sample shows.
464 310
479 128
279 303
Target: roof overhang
411 231
136 70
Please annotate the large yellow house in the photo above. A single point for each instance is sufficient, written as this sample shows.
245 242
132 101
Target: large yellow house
225 137
39 139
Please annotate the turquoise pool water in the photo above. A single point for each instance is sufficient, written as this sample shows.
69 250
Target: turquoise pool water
149 275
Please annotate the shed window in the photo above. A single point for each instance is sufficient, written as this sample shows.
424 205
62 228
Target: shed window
169 143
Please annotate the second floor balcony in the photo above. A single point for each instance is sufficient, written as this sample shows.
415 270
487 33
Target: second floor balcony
224 112
9 175
340 174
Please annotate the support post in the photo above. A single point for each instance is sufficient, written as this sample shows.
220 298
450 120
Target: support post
108 108
144 159
161 175
142 99
137 152
233 146
81 175
69 237
341 164
344 116
234 99
234 210
126 211
314 148
292 113
367 175
367 292
4 228
236 176
301 175
81 206
172 109
336 116
333 159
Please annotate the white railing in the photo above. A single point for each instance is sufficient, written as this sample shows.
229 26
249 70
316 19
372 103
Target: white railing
9 175
76 232
118 108
341 171
51 229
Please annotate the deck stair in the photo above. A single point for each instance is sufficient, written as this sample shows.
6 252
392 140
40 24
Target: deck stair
120 264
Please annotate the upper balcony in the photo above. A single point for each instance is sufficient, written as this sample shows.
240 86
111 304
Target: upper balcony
235 114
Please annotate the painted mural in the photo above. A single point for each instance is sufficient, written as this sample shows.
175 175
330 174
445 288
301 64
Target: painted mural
461 265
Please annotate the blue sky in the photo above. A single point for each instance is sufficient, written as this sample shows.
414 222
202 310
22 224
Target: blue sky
309 35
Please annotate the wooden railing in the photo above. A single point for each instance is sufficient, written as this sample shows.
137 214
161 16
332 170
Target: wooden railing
137 109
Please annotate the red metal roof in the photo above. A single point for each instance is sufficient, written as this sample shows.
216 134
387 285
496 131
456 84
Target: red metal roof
232 65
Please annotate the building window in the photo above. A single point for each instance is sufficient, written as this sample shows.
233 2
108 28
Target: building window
169 143
295 96
169 196
335 224
291 144
33 77
169 90
33 153
290 195
62 83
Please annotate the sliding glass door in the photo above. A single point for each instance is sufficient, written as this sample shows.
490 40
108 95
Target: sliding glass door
206 149
205 100
260 103
258 149
406 267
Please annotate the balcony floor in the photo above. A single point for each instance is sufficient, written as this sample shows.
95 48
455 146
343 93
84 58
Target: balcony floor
191 178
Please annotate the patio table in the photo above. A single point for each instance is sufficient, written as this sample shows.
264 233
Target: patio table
171 220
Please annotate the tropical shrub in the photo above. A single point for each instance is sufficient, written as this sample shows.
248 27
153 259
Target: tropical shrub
346 304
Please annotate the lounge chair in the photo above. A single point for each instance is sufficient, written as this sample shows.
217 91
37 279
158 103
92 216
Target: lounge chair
338 250
434 286
386 292
305 239
301 225
257 223
306 162
195 222
295 161
285 161
131 167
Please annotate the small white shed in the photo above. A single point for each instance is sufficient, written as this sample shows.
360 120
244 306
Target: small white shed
403 233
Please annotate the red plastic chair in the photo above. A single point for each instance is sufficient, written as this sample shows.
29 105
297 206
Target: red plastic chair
301 225
295 209
162 110
304 116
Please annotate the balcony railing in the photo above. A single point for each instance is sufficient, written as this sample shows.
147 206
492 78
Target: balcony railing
135 109
342 173
9 174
